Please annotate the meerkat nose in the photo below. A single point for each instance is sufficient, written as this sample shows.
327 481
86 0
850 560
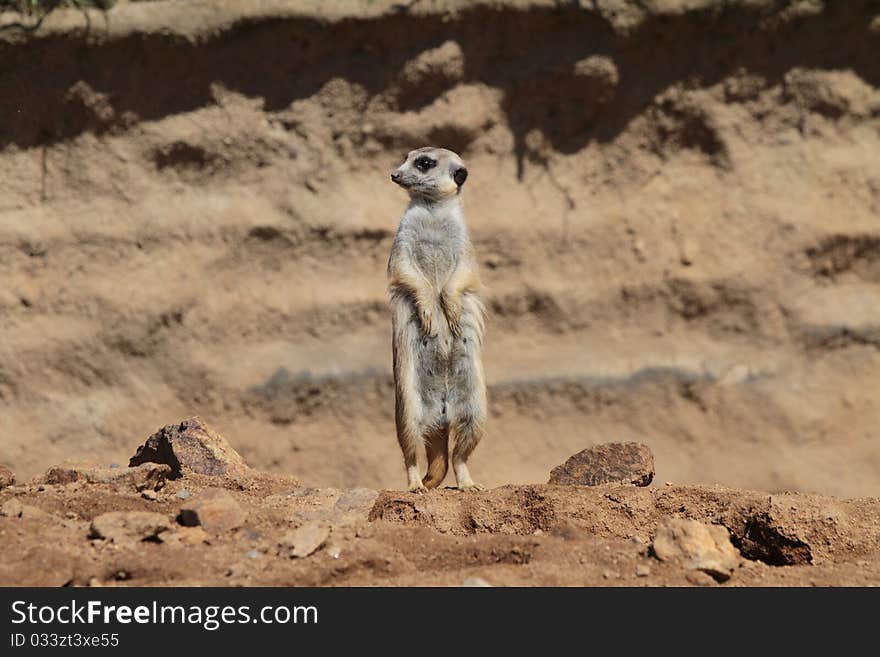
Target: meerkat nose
395 176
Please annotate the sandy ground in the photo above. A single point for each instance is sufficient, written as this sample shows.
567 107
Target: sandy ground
675 208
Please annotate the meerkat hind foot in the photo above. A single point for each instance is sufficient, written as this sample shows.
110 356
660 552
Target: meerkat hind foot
466 484
463 477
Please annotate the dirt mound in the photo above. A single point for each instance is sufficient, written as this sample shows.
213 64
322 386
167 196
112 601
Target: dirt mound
675 206
252 528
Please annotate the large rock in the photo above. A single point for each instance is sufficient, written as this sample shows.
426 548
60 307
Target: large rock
190 445
702 547
623 463
215 510
129 526
147 476
7 477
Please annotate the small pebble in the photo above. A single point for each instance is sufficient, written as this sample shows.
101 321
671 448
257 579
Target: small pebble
254 554
642 570
477 582
699 578
149 495
183 494
688 254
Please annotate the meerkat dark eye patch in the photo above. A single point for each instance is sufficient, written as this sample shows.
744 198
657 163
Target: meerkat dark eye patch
459 176
424 163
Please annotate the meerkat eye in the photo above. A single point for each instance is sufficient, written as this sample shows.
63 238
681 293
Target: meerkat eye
424 163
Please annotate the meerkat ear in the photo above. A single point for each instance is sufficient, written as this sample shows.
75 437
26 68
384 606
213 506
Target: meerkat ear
459 176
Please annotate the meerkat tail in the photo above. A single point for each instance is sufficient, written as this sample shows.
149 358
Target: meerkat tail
437 448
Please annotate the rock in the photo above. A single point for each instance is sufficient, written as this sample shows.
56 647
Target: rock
190 445
129 526
42 563
353 505
338 508
625 463
688 252
214 509
359 500
699 578
476 582
7 477
643 570
11 509
148 476
192 536
15 509
706 548
305 540
735 375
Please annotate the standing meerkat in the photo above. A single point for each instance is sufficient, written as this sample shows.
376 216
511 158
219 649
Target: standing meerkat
437 322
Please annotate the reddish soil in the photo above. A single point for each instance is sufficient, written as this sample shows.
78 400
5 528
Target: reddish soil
509 536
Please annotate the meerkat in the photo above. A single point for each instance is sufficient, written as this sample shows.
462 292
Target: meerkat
437 318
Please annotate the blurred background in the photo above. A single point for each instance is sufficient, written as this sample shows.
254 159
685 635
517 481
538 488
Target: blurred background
676 208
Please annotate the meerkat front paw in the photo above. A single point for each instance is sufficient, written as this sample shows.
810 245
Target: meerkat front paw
418 489
452 310
472 487
427 319
454 324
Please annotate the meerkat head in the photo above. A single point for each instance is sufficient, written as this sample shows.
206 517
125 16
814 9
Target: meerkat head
431 173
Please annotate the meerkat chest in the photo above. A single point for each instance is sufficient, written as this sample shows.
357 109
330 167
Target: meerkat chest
437 247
